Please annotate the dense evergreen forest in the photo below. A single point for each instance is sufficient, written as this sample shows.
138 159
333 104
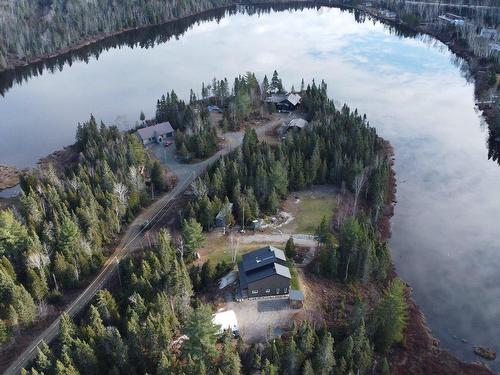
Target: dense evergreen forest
157 324
32 29
58 236
29 29
196 134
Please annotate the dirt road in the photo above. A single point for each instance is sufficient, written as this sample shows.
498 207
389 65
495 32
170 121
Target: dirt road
132 240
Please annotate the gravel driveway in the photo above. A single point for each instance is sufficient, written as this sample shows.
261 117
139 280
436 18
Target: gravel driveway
255 317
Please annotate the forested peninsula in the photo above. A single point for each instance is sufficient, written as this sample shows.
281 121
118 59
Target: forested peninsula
158 317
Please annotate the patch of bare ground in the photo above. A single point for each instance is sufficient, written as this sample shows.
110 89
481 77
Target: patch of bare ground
60 159
9 176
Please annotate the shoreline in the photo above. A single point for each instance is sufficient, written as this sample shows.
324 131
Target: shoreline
421 353
9 177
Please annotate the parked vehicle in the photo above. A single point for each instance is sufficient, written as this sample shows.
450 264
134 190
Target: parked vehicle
145 225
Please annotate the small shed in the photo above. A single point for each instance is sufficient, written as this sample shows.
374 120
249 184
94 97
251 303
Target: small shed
229 279
257 224
296 299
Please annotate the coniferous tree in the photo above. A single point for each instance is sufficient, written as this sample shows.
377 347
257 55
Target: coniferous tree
391 316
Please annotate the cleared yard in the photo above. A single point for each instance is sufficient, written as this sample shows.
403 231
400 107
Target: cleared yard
218 247
310 208
259 317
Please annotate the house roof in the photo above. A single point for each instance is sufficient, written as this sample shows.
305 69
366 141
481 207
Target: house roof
266 271
260 264
298 123
261 257
153 131
276 98
222 211
293 98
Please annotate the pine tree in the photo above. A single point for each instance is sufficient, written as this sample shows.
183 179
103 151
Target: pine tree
385 369
157 177
192 234
307 368
391 316
230 361
269 368
273 202
324 360
4 332
362 349
292 358
44 358
202 334
290 250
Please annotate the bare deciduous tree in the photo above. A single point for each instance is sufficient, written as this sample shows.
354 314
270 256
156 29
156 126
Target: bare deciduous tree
358 183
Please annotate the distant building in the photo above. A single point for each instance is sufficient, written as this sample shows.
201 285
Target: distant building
263 272
156 133
452 19
222 217
495 47
287 102
387 14
295 124
214 108
488 33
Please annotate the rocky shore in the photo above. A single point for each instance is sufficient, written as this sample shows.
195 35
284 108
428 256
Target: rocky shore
9 177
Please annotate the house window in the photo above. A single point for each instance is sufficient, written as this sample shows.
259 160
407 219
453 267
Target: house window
285 290
268 290
277 290
255 291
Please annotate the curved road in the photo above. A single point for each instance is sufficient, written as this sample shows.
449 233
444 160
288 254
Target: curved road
186 173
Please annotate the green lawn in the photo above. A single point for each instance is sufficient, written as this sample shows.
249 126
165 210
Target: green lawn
311 211
219 249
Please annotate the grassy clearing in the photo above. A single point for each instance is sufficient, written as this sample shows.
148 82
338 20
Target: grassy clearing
311 210
218 248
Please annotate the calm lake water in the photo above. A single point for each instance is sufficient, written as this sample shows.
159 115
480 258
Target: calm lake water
446 228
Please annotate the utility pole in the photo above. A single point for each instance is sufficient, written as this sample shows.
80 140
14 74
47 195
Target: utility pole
118 270
243 224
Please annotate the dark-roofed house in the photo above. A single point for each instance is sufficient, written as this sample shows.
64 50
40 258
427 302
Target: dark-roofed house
288 101
263 272
156 133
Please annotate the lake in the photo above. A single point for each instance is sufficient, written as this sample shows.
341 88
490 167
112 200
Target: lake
413 90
